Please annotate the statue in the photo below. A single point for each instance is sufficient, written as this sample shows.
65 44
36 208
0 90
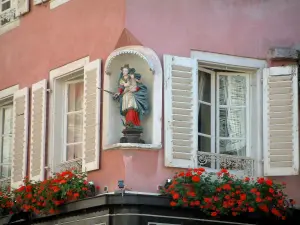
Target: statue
133 97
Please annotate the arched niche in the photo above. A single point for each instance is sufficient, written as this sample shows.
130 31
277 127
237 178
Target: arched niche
147 63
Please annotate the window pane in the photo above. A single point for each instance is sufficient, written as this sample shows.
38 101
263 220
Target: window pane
204 120
74 151
233 147
5 170
232 123
75 97
74 123
7 120
5 6
232 90
204 144
204 86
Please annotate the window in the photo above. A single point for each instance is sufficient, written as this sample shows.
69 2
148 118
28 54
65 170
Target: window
7 12
5 140
73 120
75 116
213 112
223 113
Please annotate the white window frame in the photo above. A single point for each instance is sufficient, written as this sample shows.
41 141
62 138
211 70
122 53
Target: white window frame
253 67
12 24
58 77
65 133
56 3
6 97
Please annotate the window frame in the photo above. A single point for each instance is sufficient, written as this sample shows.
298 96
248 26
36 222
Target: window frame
65 115
253 67
6 97
57 80
11 24
3 106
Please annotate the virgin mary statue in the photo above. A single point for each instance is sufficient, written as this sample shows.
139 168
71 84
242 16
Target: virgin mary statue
133 97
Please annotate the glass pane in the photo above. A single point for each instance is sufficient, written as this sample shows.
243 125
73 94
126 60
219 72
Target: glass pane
74 151
75 96
232 123
7 120
233 147
204 86
204 119
74 124
6 149
204 144
232 90
5 6
5 170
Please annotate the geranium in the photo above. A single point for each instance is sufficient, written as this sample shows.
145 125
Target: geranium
44 197
225 194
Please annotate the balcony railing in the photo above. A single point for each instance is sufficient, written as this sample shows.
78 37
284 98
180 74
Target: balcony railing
5 182
7 16
71 164
230 162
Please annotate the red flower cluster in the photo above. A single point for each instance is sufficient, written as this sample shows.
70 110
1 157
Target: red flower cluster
224 194
44 197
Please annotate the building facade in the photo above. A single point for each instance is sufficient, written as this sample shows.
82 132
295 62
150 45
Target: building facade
222 79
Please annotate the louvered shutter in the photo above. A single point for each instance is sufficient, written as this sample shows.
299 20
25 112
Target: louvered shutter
280 116
91 116
22 7
20 137
180 110
38 130
36 2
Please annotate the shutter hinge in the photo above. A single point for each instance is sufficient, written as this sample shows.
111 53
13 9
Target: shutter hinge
49 90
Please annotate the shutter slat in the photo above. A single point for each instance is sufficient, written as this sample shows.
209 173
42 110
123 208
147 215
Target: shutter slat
38 130
20 137
181 102
280 102
91 116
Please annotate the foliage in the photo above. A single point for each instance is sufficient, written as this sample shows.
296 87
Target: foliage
221 193
44 197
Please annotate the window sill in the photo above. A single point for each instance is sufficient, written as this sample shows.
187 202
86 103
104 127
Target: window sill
10 26
133 146
56 3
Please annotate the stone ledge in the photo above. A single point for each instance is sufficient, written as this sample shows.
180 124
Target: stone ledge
118 146
283 54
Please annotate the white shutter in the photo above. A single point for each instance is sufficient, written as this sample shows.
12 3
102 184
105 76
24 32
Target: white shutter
38 130
22 7
20 137
180 111
91 116
36 2
280 116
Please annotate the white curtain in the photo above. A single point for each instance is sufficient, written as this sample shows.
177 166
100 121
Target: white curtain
232 119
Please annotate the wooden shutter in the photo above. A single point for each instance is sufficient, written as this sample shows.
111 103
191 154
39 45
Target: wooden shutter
20 137
180 110
280 117
36 2
38 130
22 7
91 116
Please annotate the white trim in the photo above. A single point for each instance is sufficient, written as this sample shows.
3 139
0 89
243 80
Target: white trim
56 3
8 92
248 65
133 146
56 75
9 26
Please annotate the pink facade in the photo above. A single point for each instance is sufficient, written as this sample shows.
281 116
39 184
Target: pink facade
47 39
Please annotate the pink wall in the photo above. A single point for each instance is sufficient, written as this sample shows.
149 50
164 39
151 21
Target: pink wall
48 39
244 28
234 27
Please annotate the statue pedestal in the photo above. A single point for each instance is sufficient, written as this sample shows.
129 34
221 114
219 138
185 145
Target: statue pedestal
132 135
